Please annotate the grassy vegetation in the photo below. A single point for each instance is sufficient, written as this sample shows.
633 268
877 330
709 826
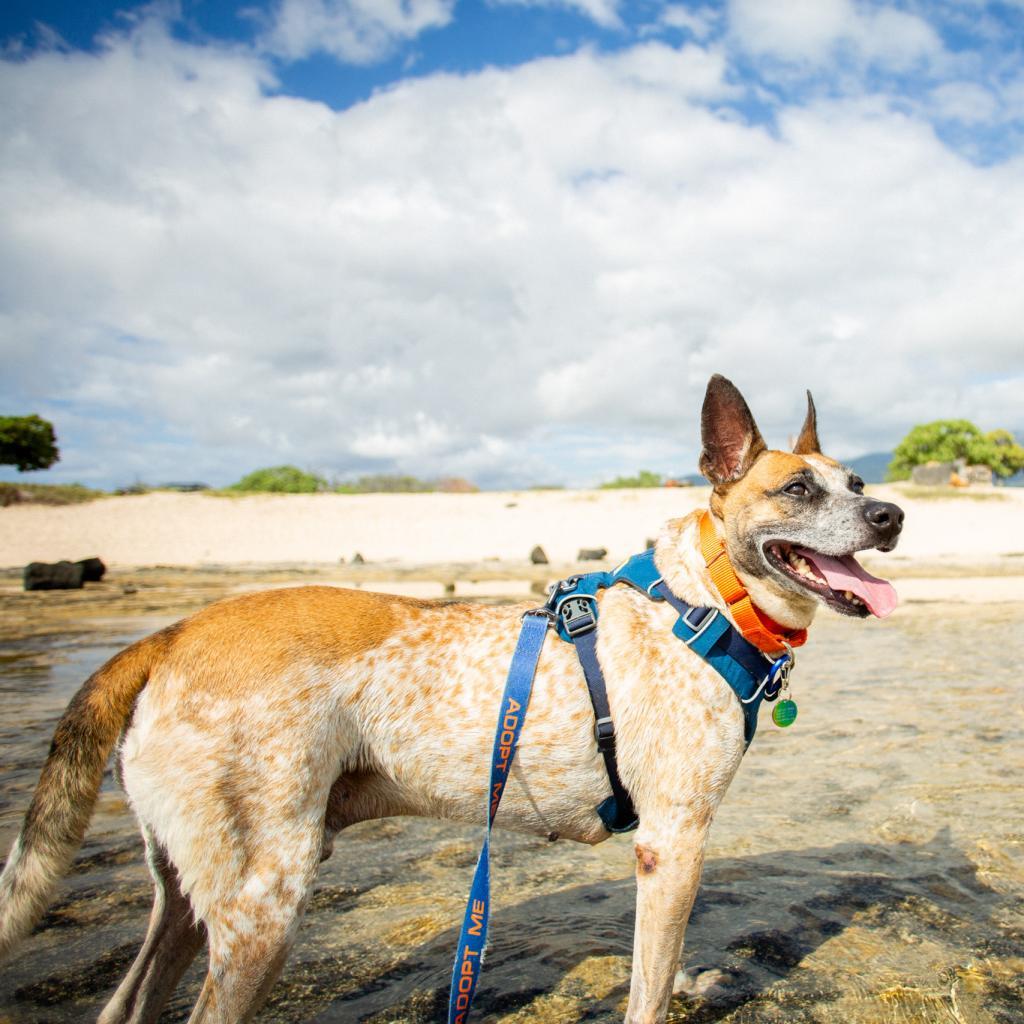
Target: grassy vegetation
645 478
385 483
47 494
292 480
949 494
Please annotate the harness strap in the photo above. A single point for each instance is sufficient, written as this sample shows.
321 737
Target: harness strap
470 953
760 629
751 674
617 812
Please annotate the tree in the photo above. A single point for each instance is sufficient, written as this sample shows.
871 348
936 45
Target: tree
948 440
282 480
27 442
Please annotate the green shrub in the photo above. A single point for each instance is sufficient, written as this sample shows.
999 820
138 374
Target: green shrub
645 478
281 480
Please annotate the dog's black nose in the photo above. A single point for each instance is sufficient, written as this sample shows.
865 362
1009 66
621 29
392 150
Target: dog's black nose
885 517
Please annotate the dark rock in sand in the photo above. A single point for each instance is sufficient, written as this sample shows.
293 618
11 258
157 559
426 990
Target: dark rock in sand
92 569
357 559
538 557
55 576
592 554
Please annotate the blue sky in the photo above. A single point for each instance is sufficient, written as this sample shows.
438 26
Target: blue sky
506 240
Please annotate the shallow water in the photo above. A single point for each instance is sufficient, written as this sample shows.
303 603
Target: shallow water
867 864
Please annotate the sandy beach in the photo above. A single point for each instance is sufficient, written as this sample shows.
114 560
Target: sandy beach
166 528
967 547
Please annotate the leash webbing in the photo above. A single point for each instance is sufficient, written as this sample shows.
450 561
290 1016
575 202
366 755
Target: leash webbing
514 702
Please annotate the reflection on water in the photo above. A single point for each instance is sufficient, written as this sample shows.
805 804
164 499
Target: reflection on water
867 864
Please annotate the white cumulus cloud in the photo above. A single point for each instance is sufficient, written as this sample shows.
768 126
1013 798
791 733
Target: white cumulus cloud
354 31
519 275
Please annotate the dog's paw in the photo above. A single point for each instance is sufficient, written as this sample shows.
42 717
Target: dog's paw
701 982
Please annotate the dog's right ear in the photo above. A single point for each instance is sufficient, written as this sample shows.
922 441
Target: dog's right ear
728 432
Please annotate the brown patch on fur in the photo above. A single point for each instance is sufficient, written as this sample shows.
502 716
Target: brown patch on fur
646 859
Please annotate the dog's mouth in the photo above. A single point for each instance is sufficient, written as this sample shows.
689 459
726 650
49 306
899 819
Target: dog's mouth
842 583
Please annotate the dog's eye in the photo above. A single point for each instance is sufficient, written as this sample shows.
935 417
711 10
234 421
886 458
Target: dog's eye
796 489
856 485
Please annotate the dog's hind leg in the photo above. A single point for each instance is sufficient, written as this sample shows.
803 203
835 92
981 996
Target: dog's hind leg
170 946
251 932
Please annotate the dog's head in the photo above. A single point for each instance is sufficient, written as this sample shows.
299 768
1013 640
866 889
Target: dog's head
792 520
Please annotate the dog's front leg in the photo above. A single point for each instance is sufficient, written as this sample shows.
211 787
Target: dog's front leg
668 866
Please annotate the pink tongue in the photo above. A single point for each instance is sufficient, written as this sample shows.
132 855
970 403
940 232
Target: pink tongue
845 574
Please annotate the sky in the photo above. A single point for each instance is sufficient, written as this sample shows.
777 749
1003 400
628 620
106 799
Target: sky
507 240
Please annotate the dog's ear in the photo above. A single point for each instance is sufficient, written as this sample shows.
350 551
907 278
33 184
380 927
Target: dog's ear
728 432
807 443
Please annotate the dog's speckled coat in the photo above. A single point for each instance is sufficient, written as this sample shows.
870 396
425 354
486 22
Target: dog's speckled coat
252 732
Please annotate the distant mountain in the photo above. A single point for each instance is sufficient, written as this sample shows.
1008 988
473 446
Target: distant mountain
871 467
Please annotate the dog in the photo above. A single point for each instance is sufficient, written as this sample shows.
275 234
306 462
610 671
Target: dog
251 733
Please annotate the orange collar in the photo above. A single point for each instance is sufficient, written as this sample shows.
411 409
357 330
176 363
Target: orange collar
761 630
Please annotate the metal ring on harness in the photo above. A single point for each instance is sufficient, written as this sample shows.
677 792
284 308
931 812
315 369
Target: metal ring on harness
778 674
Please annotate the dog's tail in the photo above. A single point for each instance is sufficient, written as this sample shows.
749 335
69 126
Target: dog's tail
68 786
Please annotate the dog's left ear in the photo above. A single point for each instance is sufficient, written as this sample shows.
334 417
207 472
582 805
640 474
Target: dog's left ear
729 434
807 443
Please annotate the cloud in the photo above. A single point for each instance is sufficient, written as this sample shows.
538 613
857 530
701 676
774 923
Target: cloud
812 31
603 12
700 22
354 31
516 275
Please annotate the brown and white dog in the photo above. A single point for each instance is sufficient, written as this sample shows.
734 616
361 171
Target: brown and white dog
249 734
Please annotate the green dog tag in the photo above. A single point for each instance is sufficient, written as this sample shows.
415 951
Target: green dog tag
784 713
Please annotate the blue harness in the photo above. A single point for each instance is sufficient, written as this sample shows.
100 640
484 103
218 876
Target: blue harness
572 611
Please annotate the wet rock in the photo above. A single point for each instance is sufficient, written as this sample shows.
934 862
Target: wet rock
357 559
538 556
53 576
93 569
592 555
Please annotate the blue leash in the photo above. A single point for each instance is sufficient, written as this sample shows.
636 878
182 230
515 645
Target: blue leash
572 610
470 953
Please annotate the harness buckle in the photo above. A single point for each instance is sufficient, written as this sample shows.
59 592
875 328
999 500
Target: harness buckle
578 616
604 733
698 629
